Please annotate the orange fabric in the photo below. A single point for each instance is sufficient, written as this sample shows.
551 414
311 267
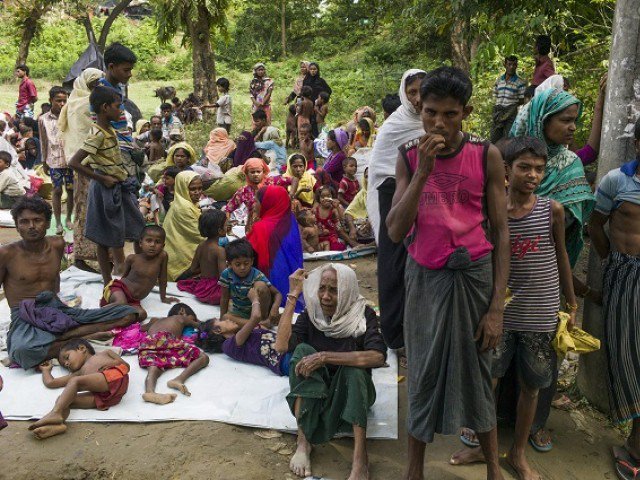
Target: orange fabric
118 382
255 163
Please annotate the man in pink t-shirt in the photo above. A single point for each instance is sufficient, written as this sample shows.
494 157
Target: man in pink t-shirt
27 93
450 209
544 65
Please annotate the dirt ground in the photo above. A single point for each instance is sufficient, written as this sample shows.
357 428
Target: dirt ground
211 450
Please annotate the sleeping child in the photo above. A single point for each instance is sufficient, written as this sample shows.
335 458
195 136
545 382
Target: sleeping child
209 260
164 348
97 380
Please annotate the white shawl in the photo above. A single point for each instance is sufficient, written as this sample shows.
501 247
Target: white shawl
402 126
349 319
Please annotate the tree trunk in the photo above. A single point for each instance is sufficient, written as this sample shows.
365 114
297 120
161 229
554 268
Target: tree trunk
204 65
283 26
88 28
29 29
460 43
104 33
616 147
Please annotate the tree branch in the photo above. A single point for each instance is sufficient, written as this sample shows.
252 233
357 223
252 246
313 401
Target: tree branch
104 33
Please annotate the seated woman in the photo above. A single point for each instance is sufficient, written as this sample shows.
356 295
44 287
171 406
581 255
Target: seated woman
336 342
245 149
181 224
219 147
364 137
331 172
275 238
271 141
181 155
303 196
356 216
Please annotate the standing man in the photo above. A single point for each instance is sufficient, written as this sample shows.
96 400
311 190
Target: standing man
27 93
544 65
618 203
450 186
509 94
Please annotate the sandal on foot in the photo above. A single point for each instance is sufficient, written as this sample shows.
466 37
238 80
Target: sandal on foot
540 447
626 467
468 442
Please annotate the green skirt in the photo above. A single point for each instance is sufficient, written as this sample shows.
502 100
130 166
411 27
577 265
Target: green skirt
331 402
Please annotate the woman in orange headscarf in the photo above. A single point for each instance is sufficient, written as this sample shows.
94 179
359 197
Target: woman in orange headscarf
219 145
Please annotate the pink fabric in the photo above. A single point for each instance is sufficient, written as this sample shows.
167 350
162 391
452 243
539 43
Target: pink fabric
543 70
207 290
587 154
128 338
163 350
450 211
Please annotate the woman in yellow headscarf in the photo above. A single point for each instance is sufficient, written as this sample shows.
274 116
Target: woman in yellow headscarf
181 223
365 135
181 155
297 168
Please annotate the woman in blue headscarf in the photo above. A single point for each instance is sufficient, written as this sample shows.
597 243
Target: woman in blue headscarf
551 116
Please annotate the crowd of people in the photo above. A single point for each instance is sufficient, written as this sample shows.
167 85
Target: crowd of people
458 222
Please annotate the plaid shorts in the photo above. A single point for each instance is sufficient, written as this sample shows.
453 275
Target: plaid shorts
61 176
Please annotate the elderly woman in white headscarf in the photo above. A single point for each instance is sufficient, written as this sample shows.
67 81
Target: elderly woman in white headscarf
402 126
335 343
74 124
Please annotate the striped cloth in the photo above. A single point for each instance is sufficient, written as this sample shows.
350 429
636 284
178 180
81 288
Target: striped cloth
534 280
509 91
621 288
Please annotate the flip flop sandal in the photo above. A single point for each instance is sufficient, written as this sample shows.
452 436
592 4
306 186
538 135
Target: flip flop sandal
542 448
469 443
626 467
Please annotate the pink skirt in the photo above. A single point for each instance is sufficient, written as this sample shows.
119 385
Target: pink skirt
207 290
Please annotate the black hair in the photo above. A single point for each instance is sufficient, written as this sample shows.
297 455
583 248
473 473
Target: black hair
364 125
347 160
3 125
292 109
35 204
24 68
175 310
447 82
240 248
224 83
259 114
155 116
518 146
412 78
302 214
636 132
530 91
6 157
543 44
102 95
306 91
332 136
74 343
47 105
210 222
175 100
510 58
332 191
32 123
298 156
155 134
29 141
171 171
153 229
166 106
186 152
323 95
207 340
56 91
391 102
116 53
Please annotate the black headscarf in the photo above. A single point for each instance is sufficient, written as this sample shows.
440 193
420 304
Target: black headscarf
316 83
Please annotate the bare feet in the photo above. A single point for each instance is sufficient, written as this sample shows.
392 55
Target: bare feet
300 463
69 224
359 471
181 387
519 463
159 398
51 418
49 431
466 456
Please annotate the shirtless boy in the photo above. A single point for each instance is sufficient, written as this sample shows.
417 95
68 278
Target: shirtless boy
141 273
97 380
30 267
164 348
310 233
618 204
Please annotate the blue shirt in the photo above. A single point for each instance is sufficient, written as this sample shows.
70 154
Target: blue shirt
617 186
239 289
509 91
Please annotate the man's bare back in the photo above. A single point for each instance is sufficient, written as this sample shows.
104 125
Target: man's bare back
142 273
25 273
624 229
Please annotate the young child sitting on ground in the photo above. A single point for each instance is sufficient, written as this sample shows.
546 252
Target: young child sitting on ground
236 281
291 128
321 109
102 378
364 135
328 213
349 185
10 187
164 348
156 151
310 233
141 273
305 139
209 260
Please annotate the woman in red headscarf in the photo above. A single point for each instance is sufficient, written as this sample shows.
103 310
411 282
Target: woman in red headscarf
276 239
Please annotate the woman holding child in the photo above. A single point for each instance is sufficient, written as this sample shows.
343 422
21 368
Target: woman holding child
181 223
260 90
337 343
